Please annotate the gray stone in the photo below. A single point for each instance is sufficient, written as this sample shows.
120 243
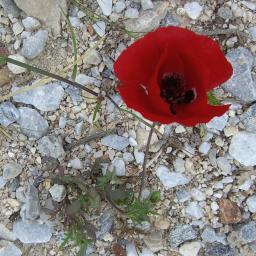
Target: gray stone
6 234
10 7
149 19
170 20
128 157
88 80
241 84
194 211
74 94
9 249
197 194
252 31
76 163
248 119
75 22
33 232
209 236
225 13
11 170
34 45
147 4
247 233
92 57
131 13
47 11
50 146
106 6
2 182
224 165
8 113
106 223
79 128
100 28
32 123
179 165
31 208
218 123
242 148
204 148
62 122
31 23
171 179
183 195
251 203
193 10
139 156
181 234
116 142
218 249
119 166
44 98
58 192
119 7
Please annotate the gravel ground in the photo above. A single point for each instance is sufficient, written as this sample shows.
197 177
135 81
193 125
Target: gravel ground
206 174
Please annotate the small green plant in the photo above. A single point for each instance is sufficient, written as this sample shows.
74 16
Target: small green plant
78 238
212 99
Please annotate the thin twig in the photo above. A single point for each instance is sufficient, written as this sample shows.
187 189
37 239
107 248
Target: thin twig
87 139
144 167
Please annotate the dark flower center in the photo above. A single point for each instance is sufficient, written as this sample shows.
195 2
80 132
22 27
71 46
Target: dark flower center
173 91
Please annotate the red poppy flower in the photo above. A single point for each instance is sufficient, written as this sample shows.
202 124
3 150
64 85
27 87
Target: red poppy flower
166 76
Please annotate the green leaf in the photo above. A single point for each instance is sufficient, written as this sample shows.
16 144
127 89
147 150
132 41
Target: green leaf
2 60
155 196
212 99
104 181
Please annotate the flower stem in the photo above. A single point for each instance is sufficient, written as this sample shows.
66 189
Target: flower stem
49 74
144 166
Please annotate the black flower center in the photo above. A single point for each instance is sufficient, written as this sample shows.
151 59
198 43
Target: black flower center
173 91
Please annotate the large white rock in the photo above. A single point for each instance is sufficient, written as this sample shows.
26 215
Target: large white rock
243 148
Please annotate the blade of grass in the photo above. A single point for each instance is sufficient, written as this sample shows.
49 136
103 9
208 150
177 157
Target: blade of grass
6 134
74 44
96 110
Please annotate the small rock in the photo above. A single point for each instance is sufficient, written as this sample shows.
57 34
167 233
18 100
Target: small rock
74 94
75 22
106 6
119 6
100 28
6 234
229 212
171 179
224 165
31 209
242 148
133 142
197 194
128 157
154 241
11 170
218 249
205 147
116 142
33 232
131 249
119 166
14 68
47 11
179 165
251 203
241 84
181 234
92 57
76 164
162 223
252 31
106 224
34 45
10 7
190 249
139 156
50 146
44 98
2 182
32 123
247 232
58 192
79 128
225 13
194 211
131 13
142 138
62 122
31 23
9 249
218 123
17 28
147 4
149 19
183 195
8 113
193 10
87 80
209 235
248 119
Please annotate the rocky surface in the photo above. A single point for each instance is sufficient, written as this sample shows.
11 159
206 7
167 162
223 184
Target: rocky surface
205 174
